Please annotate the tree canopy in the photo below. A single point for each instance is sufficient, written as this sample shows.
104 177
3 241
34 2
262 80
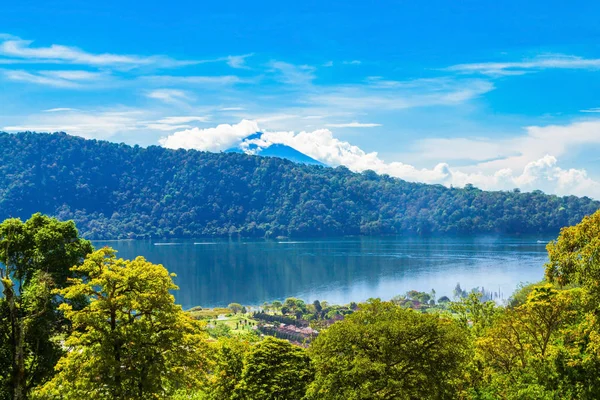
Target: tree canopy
383 351
131 341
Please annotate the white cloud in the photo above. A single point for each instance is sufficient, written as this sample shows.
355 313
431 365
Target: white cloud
183 120
19 50
352 62
591 110
60 109
353 125
96 125
516 151
293 74
61 79
173 96
175 123
542 173
552 61
395 95
238 61
195 80
232 109
211 139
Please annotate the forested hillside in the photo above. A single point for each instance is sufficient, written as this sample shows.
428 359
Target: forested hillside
118 191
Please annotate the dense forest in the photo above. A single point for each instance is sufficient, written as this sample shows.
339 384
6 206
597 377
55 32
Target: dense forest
118 191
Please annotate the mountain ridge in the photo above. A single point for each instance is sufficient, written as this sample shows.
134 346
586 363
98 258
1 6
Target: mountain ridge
115 191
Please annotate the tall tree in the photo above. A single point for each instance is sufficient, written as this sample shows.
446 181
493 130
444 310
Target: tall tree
383 351
574 258
36 256
228 368
275 369
131 341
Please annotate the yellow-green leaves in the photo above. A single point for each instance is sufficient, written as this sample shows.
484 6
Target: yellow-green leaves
131 341
575 256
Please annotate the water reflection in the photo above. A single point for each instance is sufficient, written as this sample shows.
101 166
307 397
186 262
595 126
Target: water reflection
217 272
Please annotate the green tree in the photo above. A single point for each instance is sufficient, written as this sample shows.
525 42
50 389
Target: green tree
36 257
235 307
228 368
574 258
275 369
317 305
383 351
131 341
528 350
277 305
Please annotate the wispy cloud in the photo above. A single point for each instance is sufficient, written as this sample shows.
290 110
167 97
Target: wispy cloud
292 74
60 109
195 80
170 96
553 61
238 61
591 110
352 125
352 62
101 124
20 51
61 79
400 95
175 123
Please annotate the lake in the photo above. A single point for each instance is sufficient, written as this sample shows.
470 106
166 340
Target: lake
218 272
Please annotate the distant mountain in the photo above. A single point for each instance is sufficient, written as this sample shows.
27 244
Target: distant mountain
117 191
248 146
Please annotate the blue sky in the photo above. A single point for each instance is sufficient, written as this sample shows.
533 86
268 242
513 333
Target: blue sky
499 94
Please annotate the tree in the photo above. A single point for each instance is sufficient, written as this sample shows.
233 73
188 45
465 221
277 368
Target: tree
575 257
383 351
275 369
228 368
536 345
131 341
235 307
36 257
277 305
317 305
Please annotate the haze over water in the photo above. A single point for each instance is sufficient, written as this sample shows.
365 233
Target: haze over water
217 272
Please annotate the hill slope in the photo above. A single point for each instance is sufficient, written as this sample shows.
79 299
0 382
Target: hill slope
118 191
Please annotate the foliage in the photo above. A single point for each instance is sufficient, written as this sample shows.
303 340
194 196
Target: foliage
117 191
574 258
35 256
528 351
228 368
235 307
383 351
131 341
280 319
274 369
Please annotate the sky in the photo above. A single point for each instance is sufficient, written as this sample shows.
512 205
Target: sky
497 94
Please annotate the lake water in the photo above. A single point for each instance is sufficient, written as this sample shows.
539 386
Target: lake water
218 272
